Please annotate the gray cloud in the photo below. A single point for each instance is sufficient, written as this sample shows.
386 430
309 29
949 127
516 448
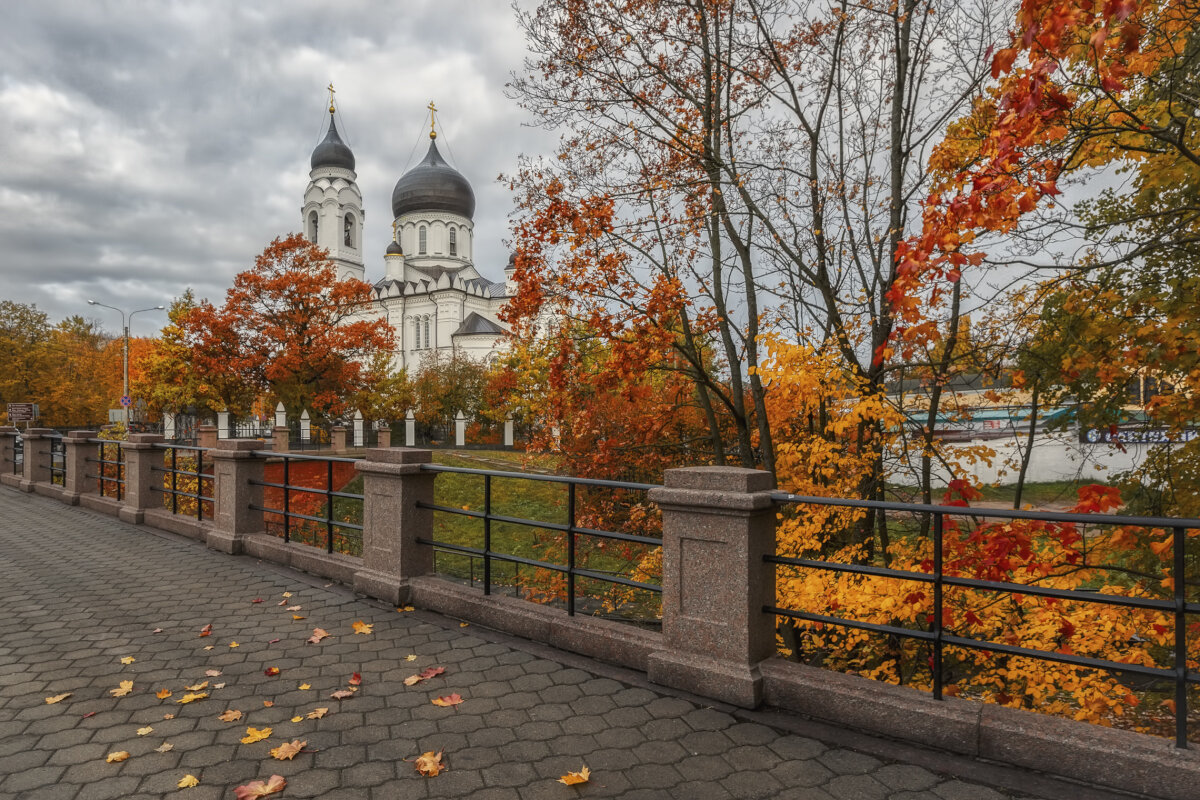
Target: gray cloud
146 148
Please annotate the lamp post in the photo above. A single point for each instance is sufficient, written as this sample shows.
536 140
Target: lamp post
125 319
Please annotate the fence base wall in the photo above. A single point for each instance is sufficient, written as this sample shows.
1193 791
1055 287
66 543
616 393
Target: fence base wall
13 481
721 679
1124 760
98 502
184 526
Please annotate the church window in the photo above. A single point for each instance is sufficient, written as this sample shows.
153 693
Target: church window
427 331
312 227
453 242
422 240
348 228
416 334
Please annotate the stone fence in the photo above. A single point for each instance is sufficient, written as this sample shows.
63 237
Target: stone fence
716 639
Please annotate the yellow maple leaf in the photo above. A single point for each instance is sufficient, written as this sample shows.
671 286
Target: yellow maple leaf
230 715
145 730
188 781
191 698
163 694
298 616
297 719
255 735
464 624
406 608
362 627
305 686
197 687
128 660
117 757
286 752
573 778
234 644
430 764
287 594
58 698
317 713
125 688
410 658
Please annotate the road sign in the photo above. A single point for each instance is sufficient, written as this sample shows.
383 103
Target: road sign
22 412
126 401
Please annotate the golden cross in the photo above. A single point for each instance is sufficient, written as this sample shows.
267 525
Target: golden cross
432 117
331 93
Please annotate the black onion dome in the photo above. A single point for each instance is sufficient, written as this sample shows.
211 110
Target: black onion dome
433 185
394 249
332 151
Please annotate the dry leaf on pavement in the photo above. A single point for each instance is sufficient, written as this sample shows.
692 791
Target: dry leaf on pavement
206 630
163 694
268 703
144 731
188 781
286 752
573 778
424 675
410 657
230 715
125 688
255 735
362 627
234 644
447 701
165 747
305 687
297 719
256 789
317 713
342 694
355 679
271 672
293 608
117 757
286 594
192 697
212 673
128 660
318 635
58 698
198 687
298 617
430 764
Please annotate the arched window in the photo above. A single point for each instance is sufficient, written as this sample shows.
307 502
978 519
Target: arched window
416 334
312 227
422 240
348 229
453 242
427 332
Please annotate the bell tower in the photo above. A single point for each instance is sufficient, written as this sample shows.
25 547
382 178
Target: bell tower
332 216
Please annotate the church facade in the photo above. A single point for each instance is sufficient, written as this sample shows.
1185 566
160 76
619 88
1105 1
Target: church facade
431 292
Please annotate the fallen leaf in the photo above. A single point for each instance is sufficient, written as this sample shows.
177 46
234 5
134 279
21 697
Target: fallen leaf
259 789
117 757
234 644
218 685
128 660
157 630
268 703
316 713
286 594
406 608
282 602
305 687
188 781
297 719
210 647
447 701
197 687
163 694
286 752
424 675
256 600
165 747
294 608
230 715
271 672
168 716
410 658
342 694
206 630
273 641
126 688
413 680
58 698
212 673
573 778
255 735
144 731
361 627
89 714
298 616
463 624
318 635
190 698
430 764
355 679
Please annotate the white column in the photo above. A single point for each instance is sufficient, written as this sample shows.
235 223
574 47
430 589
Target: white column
222 424
460 429
410 429
305 427
359 438
508 431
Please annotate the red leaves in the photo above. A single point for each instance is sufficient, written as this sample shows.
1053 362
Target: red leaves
1003 61
206 630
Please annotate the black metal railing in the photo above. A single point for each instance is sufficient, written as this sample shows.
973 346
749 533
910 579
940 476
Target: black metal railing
191 470
251 429
320 437
18 462
58 460
334 502
571 532
110 463
1178 607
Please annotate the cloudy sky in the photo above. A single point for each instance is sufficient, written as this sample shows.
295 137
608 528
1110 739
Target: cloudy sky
149 147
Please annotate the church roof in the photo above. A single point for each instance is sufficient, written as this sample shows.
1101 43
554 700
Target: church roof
474 323
433 185
332 151
394 249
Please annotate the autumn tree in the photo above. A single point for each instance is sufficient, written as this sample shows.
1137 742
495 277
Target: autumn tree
168 377
289 327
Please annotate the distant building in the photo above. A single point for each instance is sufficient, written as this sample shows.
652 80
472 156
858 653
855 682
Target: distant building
431 293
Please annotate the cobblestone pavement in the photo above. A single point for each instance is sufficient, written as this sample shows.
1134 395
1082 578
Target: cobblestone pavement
80 591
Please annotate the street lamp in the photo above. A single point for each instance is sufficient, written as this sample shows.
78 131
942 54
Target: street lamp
125 318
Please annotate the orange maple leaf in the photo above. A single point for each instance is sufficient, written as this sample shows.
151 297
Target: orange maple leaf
430 764
447 701
288 751
255 789
573 778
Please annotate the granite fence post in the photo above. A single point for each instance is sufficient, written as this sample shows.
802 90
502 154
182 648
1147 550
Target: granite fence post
718 523
337 438
78 448
393 484
384 436
37 463
207 436
279 439
235 465
141 455
8 447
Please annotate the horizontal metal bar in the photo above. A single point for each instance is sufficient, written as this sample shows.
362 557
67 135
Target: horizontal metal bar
550 526
529 476
999 513
189 472
105 479
909 633
179 493
298 515
599 576
302 457
857 569
166 446
346 495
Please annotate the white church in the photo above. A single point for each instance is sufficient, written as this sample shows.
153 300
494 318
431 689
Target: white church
430 293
